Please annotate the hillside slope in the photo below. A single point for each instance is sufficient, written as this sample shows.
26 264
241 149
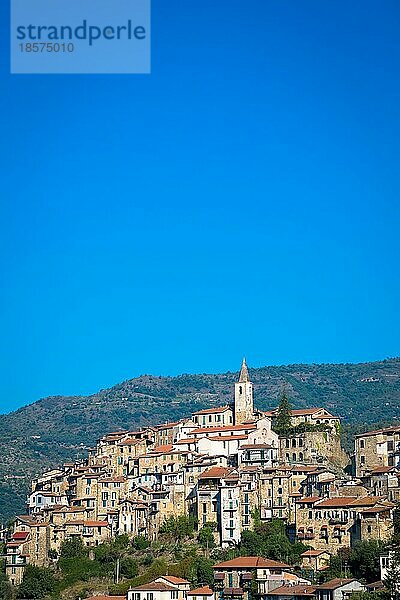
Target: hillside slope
60 428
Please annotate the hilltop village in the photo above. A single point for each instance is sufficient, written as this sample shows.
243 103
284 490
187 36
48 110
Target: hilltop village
227 466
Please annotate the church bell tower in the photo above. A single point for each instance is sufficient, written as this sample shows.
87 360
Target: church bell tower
244 407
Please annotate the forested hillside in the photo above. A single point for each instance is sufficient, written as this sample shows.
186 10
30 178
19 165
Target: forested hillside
55 429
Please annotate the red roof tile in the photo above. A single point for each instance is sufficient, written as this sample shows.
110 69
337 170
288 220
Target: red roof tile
215 473
172 579
207 411
293 590
333 584
201 591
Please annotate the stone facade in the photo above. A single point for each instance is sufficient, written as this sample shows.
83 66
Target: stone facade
227 467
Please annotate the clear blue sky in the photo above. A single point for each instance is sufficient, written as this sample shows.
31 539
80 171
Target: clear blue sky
242 199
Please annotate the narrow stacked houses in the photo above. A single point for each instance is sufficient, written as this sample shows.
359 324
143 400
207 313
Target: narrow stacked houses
224 465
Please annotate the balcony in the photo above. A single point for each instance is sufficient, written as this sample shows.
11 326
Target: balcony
228 506
87 532
324 534
309 536
19 562
339 521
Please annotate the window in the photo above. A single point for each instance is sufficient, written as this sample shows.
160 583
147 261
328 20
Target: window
362 460
150 595
362 443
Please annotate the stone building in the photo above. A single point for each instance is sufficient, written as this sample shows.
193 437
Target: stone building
380 448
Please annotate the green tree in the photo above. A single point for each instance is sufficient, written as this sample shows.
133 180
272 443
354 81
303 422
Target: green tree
140 542
7 592
73 548
178 527
270 540
37 583
283 421
129 567
364 559
201 571
205 536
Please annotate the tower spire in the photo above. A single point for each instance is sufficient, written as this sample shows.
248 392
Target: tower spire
244 373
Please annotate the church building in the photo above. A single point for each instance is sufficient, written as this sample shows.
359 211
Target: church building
244 406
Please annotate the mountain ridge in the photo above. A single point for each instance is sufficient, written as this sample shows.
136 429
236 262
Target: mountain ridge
59 428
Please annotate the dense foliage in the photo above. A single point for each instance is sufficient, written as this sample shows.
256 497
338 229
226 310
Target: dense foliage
270 540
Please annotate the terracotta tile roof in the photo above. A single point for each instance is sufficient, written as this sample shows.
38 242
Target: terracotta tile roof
337 502
20 535
255 446
388 430
333 584
300 412
215 473
167 425
251 562
186 441
293 590
207 411
375 509
224 438
201 591
309 499
172 579
378 470
367 501
314 552
156 586
130 442
14 544
164 448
